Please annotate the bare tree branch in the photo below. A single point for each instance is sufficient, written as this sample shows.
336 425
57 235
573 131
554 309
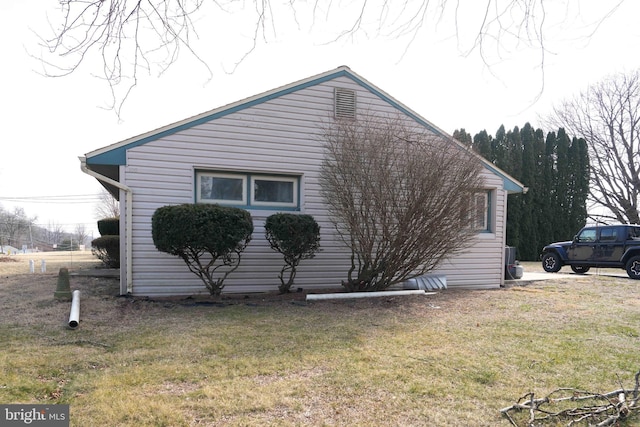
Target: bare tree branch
575 406
108 206
130 36
607 116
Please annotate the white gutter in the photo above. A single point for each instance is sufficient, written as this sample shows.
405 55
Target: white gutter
128 217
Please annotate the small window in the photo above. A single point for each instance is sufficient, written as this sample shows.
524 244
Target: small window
634 233
608 234
481 212
222 188
248 190
274 191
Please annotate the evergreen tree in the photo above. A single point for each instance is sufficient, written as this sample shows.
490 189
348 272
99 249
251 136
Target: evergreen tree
482 145
547 219
528 221
515 202
463 136
579 169
564 230
501 149
540 201
556 171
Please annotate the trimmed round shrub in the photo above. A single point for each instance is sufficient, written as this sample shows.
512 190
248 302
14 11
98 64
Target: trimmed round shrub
109 226
296 237
196 231
107 249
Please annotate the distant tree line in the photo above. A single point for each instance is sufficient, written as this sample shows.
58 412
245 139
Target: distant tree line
555 169
17 229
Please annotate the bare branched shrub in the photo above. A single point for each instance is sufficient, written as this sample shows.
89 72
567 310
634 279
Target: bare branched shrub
401 198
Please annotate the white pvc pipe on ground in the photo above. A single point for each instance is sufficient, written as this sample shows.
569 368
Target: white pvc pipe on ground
350 295
74 316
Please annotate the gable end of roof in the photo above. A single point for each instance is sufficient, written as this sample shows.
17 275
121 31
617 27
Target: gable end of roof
115 154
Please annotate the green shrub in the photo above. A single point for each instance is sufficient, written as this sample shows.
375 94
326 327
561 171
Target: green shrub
296 237
206 237
107 249
109 226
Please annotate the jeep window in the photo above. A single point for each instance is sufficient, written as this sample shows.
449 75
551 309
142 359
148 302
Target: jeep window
587 235
608 234
634 233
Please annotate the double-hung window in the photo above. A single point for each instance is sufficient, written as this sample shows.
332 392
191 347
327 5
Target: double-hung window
481 212
248 190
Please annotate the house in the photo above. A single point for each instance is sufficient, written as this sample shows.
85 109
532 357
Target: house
271 139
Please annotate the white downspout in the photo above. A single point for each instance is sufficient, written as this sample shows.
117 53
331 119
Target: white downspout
74 315
128 217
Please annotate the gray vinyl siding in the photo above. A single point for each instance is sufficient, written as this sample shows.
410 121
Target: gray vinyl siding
278 136
482 266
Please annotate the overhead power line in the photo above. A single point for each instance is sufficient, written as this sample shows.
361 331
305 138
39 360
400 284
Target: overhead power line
67 199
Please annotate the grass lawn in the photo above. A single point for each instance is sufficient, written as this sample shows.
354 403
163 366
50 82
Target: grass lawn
452 359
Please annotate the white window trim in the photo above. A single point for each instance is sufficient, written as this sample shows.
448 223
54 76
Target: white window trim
481 208
485 201
248 197
280 178
242 177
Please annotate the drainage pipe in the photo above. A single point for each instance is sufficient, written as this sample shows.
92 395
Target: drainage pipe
128 217
351 295
74 315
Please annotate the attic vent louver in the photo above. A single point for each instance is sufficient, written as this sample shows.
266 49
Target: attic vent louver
344 103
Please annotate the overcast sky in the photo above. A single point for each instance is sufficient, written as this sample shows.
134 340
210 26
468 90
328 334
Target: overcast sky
49 122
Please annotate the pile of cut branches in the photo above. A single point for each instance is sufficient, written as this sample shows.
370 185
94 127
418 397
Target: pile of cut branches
576 406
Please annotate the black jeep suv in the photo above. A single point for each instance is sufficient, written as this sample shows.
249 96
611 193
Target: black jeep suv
611 246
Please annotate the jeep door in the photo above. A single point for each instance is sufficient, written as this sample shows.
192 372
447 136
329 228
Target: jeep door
583 247
610 245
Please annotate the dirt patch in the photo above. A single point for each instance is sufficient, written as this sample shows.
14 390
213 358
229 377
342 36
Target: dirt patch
28 299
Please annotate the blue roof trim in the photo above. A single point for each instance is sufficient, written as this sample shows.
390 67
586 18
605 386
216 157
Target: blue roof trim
397 105
117 156
507 183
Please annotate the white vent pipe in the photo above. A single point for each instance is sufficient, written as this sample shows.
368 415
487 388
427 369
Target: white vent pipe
350 295
74 315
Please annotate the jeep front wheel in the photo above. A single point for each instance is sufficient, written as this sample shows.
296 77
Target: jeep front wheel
580 269
633 268
551 262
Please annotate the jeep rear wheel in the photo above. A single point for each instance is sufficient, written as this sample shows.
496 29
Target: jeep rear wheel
551 262
580 269
633 268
